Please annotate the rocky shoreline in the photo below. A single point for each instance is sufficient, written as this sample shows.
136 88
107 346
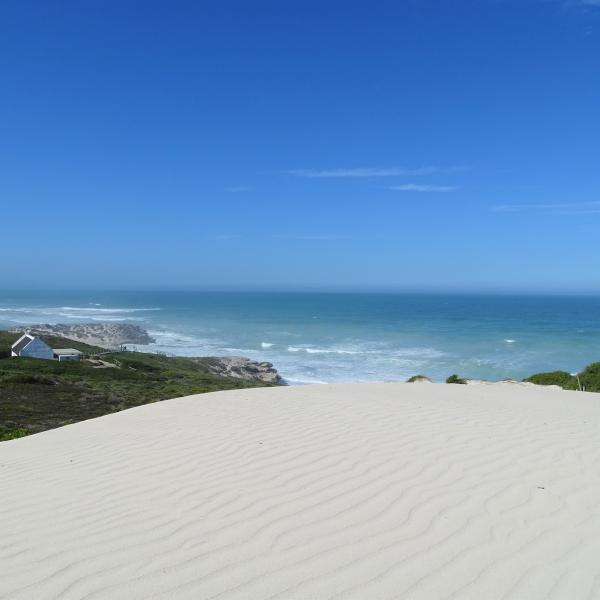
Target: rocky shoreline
112 336
240 367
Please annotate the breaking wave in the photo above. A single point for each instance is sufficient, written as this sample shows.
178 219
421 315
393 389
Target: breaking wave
106 310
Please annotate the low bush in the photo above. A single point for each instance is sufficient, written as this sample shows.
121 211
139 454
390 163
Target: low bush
13 434
455 379
27 378
561 378
417 379
590 378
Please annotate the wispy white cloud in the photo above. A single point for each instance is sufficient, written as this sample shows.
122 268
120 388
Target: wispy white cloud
322 238
372 172
585 6
224 237
423 188
560 208
236 189
577 212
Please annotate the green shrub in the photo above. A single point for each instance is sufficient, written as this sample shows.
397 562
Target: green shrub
590 378
455 379
417 378
36 395
27 378
13 434
561 378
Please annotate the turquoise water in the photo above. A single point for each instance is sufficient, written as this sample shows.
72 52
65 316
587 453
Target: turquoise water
344 337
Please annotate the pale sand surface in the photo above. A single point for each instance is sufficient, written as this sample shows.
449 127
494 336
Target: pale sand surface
343 491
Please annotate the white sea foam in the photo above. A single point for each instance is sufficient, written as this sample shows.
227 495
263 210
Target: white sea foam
59 314
101 318
23 321
108 310
316 350
266 345
179 344
120 319
304 381
389 353
510 341
26 316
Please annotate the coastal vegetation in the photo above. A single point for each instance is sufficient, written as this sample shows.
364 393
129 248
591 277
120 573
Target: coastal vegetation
587 380
36 395
419 379
561 378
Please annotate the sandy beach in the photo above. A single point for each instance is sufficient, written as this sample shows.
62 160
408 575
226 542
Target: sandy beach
343 491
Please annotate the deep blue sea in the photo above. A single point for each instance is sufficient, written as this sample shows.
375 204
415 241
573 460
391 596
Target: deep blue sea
320 337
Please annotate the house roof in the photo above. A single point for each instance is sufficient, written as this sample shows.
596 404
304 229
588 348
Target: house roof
66 351
23 341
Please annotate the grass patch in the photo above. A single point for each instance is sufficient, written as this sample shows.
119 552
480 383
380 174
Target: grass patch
36 395
13 434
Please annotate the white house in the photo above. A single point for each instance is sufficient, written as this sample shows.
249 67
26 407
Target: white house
33 347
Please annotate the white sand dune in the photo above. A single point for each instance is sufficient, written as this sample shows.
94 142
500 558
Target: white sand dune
343 491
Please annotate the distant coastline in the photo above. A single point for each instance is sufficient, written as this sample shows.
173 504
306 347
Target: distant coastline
42 393
111 336
329 338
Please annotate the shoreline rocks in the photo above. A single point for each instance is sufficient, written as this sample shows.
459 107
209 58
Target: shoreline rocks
240 367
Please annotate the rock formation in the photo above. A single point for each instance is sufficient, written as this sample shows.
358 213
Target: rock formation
244 368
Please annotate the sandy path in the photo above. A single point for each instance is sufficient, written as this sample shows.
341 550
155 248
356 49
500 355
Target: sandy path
356 491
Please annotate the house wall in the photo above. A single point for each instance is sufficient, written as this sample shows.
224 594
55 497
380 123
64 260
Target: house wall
38 349
64 357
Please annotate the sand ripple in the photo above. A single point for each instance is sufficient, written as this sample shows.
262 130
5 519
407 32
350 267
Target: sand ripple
363 491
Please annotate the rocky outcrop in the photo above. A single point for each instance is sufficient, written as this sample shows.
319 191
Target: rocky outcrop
243 368
105 335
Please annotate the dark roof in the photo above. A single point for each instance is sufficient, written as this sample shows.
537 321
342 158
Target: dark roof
19 345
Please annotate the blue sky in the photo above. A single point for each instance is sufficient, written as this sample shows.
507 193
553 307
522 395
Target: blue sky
416 145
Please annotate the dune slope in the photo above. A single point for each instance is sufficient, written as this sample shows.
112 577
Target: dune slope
345 491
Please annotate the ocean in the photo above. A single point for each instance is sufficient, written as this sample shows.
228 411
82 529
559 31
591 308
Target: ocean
344 337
